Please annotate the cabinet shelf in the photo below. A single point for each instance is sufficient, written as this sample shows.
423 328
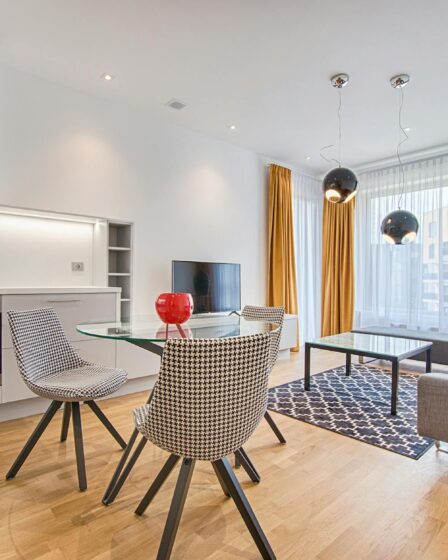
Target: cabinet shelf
120 263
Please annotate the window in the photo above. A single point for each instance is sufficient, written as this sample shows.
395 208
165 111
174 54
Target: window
403 284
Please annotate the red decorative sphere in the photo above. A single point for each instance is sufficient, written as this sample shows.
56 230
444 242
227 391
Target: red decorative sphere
174 308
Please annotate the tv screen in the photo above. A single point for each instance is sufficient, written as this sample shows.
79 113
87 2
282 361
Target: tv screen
214 286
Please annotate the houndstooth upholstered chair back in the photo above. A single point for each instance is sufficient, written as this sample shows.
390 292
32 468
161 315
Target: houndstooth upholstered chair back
273 314
40 344
210 396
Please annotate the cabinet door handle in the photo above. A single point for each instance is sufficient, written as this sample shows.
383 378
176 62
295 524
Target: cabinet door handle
62 300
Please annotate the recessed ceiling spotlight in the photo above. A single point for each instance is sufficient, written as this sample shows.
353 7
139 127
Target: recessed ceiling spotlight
407 129
308 157
107 77
176 104
232 127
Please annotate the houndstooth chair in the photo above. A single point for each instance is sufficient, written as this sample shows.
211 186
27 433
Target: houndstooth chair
210 396
274 315
53 370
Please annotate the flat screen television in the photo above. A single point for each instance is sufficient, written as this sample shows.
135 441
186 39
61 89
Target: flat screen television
215 287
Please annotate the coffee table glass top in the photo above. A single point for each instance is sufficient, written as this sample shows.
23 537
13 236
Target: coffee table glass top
372 344
151 329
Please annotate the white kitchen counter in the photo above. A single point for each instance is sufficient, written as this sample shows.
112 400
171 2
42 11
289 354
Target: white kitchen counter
56 290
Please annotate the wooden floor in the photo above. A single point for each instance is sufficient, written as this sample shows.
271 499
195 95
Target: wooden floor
322 496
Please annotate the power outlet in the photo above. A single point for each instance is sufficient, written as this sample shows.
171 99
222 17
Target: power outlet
77 266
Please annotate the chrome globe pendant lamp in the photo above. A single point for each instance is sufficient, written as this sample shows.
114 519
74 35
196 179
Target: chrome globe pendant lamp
339 184
400 227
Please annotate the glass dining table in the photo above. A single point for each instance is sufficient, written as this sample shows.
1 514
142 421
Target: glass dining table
151 334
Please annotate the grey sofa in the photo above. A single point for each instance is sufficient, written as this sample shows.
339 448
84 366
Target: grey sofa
439 340
432 406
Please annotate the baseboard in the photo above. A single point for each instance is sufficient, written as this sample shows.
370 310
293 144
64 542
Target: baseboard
29 407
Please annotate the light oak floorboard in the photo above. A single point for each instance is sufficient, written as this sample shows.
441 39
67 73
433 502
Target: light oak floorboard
322 496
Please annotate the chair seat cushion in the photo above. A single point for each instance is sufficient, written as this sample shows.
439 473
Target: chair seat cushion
85 383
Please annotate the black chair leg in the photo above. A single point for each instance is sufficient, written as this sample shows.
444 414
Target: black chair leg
221 480
66 420
167 468
176 508
274 427
125 473
237 463
247 465
104 420
120 466
33 439
79 448
244 508
122 462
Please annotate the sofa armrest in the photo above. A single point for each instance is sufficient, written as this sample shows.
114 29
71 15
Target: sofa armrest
432 406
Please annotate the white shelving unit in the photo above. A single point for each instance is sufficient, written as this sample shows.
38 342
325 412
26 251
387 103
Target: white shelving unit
120 263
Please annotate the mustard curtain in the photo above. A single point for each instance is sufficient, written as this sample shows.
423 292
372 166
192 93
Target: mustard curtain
282 284
338 267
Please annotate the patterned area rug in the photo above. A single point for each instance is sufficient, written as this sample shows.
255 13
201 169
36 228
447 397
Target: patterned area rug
357 406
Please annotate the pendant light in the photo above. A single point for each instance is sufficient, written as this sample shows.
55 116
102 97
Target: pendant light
339 185
400 227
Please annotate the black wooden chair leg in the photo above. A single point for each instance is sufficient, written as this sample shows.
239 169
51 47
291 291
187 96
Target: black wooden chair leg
79 448
244 508
176 508
125 472
221 480
122 462
237 463
106 422
274 427
167 468
247 465
66 420
120 466
34 438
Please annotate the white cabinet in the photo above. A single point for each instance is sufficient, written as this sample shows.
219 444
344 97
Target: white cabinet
71 308
289 333
138 362
13 386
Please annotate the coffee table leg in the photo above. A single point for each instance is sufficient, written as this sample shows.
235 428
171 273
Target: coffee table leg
428 360
348 363
395 375
307 367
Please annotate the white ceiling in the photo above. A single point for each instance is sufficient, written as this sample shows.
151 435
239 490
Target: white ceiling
263 65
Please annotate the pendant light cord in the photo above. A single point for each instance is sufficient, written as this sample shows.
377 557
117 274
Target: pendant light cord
340 125
401 130
338 161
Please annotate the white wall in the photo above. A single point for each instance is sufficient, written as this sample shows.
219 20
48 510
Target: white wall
190 196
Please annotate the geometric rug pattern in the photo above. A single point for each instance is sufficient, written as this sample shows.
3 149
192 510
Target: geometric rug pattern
357 406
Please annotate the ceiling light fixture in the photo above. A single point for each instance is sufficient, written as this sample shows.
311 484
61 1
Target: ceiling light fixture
107 77
400 227
340 183
408 129
232 127
308 158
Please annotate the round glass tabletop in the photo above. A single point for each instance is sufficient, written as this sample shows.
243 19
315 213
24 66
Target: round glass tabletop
151 329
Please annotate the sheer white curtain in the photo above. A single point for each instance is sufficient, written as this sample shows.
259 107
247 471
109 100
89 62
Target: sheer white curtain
308 204
403 285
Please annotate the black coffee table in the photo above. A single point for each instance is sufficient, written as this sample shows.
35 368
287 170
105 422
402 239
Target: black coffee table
372 346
